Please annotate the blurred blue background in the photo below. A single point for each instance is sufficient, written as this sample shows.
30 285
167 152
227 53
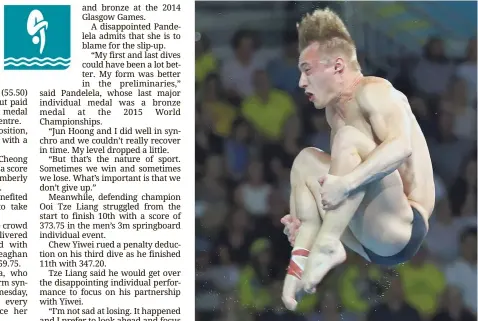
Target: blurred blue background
252 120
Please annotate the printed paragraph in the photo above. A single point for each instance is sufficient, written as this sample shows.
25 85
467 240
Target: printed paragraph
14 175
92 183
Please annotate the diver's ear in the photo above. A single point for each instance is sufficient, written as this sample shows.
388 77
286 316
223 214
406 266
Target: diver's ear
339 65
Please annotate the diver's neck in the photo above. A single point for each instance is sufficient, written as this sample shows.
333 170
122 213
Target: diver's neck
347 90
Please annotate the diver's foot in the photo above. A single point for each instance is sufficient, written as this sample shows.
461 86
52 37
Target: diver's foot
324 256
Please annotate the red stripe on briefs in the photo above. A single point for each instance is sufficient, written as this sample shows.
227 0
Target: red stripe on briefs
294 270
301 252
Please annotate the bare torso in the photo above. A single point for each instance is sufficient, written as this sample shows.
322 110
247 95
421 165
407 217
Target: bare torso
416 172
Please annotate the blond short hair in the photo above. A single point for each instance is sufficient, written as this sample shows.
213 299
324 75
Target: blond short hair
326 28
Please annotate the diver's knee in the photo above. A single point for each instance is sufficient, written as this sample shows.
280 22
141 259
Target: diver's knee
347 131
309 161
346 136
305 156
350 138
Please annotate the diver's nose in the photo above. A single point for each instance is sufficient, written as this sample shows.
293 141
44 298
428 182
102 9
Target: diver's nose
302 81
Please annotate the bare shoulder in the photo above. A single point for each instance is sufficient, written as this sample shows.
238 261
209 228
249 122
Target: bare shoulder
376 92
372 80
370 87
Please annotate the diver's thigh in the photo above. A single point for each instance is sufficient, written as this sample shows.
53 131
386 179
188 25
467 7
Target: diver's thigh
383 222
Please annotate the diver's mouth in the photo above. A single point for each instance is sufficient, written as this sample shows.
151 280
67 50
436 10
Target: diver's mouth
310 96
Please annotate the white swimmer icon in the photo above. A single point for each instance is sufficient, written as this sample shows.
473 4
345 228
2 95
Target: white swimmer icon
36 24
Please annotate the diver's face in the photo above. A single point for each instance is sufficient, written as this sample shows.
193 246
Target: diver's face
318 77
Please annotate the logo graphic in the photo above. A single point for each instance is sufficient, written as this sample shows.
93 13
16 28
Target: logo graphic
36 37
35 24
